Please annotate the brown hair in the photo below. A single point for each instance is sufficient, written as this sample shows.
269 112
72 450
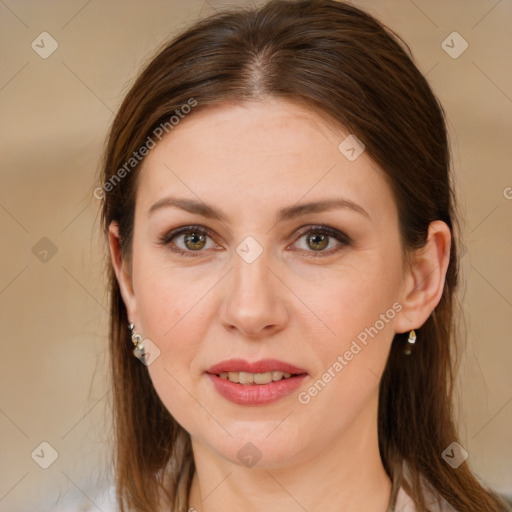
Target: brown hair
341 62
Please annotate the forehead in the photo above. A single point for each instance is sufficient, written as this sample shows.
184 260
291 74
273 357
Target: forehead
258 155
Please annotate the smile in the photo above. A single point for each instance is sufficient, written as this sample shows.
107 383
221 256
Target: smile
247 378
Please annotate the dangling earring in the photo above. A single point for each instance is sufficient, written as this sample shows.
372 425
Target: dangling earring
137 339
410 342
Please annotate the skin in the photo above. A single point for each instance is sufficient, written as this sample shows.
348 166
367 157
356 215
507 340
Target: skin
249 160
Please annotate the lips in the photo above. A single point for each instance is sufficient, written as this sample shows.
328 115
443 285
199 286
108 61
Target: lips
261 366
254 393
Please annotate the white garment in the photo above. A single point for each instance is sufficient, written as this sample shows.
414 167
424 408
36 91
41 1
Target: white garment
404 503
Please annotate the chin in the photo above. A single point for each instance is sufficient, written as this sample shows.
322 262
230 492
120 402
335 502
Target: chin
252 446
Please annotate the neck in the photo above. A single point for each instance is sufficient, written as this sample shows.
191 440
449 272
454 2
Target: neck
346 476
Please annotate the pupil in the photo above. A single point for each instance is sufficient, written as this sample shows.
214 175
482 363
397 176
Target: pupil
319 240
196 241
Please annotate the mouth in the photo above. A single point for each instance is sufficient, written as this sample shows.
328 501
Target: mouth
255 383
255 379
263 371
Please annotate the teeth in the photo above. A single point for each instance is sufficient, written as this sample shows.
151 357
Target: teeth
245 378
254 378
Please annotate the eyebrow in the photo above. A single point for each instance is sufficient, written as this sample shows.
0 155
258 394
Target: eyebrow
287 213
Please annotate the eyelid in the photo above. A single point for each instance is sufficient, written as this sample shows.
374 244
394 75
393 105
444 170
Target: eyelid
321 228
166 239
343 239
168 236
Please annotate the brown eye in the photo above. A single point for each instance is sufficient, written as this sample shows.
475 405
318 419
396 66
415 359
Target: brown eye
321 241
194 241
317 241
188 241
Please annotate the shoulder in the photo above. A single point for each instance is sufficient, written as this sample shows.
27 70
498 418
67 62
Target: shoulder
404 502
434 502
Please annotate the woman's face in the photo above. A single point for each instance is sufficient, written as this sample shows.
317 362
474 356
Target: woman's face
269 271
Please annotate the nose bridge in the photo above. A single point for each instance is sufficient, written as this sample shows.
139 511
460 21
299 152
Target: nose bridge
251 276
254 302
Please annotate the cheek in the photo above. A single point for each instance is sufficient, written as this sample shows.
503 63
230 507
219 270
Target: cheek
344 301
355 309
168 308
171 313
168 301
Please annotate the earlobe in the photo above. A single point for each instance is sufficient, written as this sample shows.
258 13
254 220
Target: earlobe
122 271
424 283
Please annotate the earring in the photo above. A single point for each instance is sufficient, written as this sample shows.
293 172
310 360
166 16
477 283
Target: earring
410 342
137 339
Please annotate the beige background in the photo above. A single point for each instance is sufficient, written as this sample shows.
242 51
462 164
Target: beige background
54 116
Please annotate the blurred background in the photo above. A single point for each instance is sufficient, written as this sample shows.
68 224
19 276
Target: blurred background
66 66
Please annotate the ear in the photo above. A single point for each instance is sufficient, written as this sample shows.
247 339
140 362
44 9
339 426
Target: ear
424 279
122 268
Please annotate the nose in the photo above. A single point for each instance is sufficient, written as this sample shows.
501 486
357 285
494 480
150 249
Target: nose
255 303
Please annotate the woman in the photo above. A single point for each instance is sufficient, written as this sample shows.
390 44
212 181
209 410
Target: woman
283 263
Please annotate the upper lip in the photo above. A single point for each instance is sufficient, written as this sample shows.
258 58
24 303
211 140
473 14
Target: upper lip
261 366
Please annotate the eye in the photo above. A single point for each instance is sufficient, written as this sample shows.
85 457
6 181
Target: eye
188 240
318 238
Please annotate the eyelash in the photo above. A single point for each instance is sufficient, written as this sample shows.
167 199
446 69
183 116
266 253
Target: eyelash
342 238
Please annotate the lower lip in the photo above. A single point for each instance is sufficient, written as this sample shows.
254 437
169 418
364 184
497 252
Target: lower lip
255 394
